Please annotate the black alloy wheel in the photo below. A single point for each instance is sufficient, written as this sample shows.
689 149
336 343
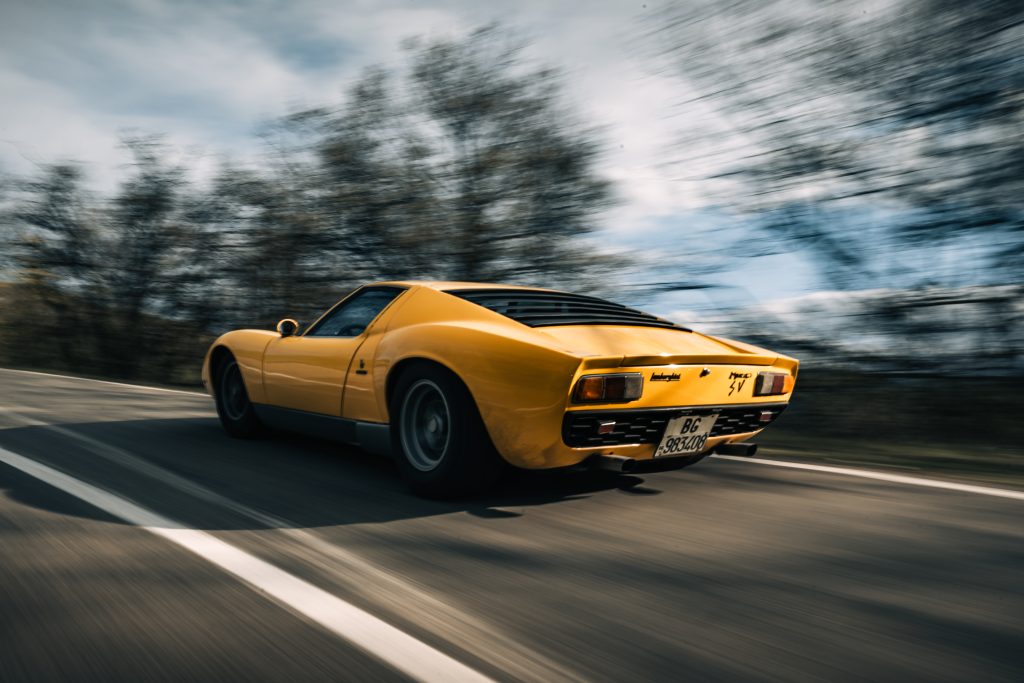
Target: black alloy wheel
235 410
441 444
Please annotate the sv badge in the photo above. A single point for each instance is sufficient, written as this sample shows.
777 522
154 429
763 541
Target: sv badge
738 379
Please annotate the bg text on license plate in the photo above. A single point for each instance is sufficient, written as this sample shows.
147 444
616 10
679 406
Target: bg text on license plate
685 435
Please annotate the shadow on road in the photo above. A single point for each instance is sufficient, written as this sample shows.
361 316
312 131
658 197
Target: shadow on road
308 482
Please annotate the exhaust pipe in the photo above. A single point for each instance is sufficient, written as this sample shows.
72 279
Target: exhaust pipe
745 450
614 463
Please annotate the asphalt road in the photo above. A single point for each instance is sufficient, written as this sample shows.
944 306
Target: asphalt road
727 571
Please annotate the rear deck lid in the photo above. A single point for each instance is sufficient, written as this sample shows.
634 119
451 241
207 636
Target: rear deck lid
609 346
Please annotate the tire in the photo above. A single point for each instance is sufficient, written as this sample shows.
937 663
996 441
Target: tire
235 410
441 445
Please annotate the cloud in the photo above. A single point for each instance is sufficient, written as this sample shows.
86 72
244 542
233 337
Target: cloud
73 80
209 73
47 125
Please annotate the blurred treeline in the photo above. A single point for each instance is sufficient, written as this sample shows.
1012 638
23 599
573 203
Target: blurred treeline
465 163
964 426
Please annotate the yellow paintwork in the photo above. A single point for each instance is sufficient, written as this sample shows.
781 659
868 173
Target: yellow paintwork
520 377
308 373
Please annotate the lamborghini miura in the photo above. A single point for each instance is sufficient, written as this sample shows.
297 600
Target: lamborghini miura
458 380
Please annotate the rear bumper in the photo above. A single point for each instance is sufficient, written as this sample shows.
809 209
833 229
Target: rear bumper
647 425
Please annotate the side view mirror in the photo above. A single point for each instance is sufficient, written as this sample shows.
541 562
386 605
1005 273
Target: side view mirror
287 327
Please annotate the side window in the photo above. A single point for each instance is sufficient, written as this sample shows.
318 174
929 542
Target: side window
354 315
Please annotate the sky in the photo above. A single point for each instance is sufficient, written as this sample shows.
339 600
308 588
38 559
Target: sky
76 76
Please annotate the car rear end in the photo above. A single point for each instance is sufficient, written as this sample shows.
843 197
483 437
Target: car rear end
645 389
683 408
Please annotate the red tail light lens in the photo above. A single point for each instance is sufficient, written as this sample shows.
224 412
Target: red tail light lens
609 388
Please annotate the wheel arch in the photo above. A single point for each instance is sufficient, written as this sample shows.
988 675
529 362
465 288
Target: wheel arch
468 460
218 355
396 370
247 348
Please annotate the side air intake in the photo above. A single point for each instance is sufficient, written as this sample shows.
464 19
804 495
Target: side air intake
546 309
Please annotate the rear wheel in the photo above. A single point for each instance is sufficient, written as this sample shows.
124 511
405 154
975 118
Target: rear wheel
234 408
441 445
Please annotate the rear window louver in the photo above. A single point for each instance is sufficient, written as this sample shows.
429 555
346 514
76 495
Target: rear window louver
547 309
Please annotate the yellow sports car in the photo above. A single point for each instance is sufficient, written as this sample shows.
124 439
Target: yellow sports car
457 379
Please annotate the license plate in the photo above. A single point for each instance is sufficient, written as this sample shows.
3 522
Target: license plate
685 435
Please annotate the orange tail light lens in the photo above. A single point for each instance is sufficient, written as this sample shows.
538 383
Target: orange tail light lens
608 388
773 384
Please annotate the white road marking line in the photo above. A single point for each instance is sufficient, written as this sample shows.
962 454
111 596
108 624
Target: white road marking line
882 476
143 387
376 637
446 620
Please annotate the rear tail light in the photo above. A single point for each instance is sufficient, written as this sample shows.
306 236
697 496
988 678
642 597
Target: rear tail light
608 388
773 383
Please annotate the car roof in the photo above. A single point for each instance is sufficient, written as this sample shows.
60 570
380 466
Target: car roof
443 285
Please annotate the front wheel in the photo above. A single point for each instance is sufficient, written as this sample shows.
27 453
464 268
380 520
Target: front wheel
441 445
235 410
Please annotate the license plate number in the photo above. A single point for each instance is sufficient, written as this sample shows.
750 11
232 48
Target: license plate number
685 435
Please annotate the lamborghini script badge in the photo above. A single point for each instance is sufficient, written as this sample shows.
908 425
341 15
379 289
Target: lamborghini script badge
665 377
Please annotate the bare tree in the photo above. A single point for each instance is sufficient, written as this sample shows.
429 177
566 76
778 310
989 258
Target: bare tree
56 251
517 166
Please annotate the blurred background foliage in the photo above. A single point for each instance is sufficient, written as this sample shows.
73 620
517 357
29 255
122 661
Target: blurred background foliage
889 141
883 140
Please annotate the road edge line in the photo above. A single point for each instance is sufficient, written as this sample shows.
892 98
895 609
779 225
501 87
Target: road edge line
882 476
144 387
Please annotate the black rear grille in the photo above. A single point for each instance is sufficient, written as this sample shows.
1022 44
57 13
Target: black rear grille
579 428
544 309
